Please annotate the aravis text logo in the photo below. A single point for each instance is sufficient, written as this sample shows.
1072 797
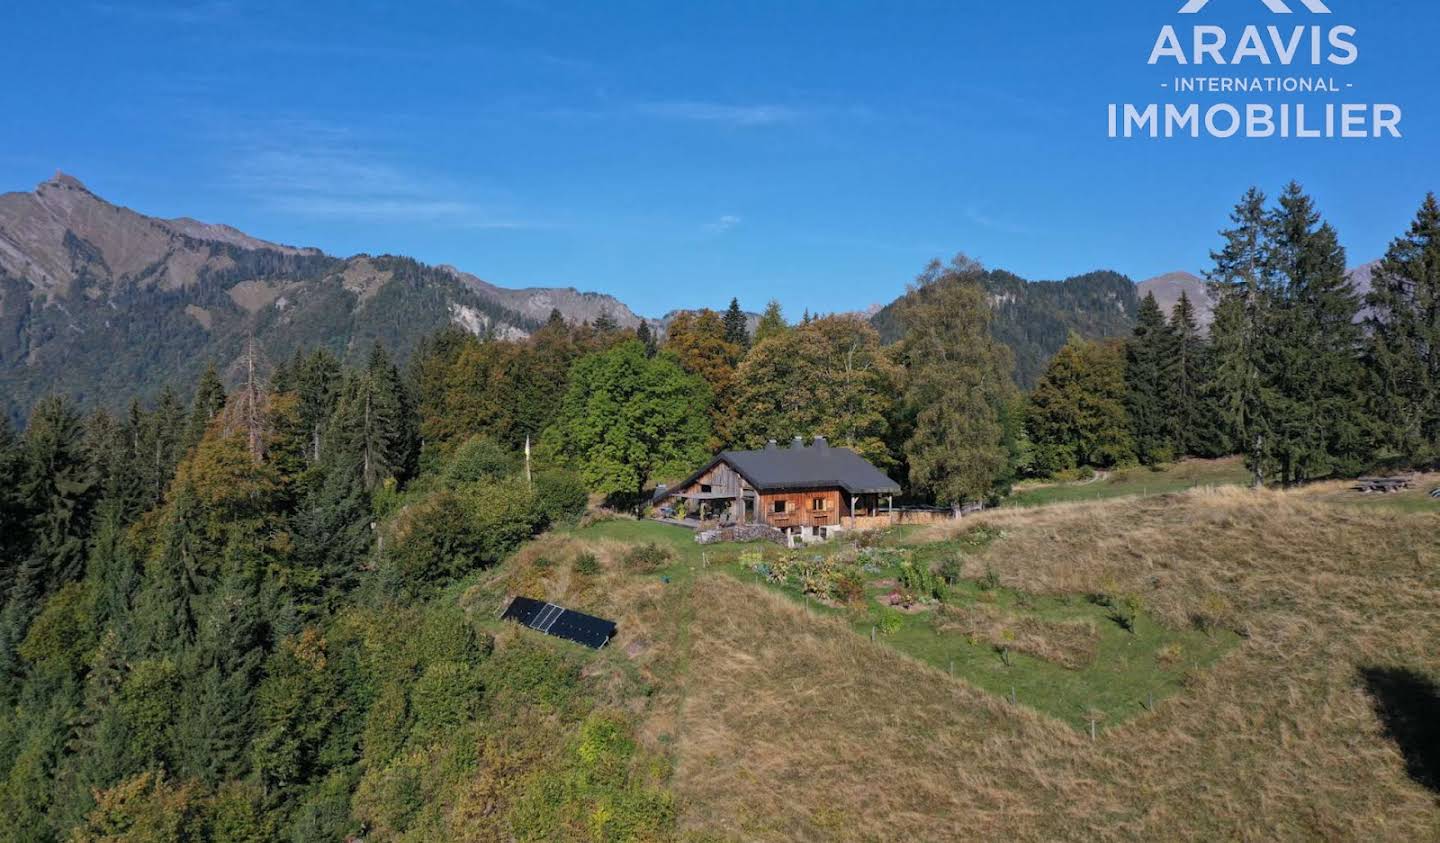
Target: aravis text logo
1276 80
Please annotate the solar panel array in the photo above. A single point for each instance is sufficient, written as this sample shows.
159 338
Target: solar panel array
560 622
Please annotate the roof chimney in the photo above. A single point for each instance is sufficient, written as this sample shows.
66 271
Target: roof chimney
797 443
821 443
771 446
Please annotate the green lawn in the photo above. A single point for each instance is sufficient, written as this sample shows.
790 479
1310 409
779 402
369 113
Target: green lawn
1175 477
1129 670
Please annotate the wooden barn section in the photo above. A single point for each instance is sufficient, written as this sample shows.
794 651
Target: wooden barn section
801 490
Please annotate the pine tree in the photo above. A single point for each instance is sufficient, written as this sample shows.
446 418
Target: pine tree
736 325
332 532
159 445
373 421
1151 358
605 324
14 514
1403 352
218 716
209 402
1240 332
1317 421
646 338
772 323
1197 418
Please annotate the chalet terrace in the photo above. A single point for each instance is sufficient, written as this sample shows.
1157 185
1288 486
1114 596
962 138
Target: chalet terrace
801 491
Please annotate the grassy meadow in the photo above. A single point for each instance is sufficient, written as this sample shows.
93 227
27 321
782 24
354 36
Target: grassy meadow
1287 641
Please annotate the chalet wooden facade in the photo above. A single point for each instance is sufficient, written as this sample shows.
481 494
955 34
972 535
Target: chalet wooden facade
800 490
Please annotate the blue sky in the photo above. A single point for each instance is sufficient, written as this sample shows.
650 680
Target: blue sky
676 154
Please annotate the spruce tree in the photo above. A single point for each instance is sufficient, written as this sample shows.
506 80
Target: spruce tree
646 338
1151 385
209 401
1197 417
736 325
1403 352
1317 422
1240 332
772 323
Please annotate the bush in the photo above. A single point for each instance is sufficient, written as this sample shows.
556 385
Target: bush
848 587
887 620
952 570
919 579
446 695
480 459
451 532
990 581
1124 611
586 564
560 496
647 558
529 671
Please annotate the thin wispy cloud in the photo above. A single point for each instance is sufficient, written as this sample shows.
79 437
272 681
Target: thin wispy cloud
721 225
984 220
330 172
183 14
724 114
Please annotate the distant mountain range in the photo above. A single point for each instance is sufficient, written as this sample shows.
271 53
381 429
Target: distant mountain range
104 303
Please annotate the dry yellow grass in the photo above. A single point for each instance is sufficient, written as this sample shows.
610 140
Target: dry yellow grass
786 725
1069 644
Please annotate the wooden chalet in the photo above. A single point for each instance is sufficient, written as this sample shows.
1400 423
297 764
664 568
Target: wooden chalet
800 490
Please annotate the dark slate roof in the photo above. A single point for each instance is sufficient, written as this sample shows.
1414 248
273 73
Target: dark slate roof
819 466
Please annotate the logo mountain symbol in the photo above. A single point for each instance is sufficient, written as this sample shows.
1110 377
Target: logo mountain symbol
1279 7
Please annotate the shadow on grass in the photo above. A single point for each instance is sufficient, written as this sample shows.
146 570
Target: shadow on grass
1408 703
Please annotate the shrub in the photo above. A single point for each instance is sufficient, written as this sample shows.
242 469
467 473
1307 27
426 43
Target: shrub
586 565
951 570
647 558
451 532
528 670
446 696
919 579
848 587
560 496
990 581
479 459
887 620
1124 611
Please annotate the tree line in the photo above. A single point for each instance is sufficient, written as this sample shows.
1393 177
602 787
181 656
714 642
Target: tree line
1299 373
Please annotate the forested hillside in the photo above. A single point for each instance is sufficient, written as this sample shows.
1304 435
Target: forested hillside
1034 318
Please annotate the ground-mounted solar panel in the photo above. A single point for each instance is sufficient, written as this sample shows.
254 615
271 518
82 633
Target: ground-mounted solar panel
560 622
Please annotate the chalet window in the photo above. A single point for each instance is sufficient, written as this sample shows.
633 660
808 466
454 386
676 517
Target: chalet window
778 507
704 488
818 505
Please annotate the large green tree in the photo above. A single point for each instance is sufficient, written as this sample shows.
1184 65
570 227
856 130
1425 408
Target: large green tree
628 420
1317 422
1152 385
1077 413
1241 330
1404 345
829 378
957 387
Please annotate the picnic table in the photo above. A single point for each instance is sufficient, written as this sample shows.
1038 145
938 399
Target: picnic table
1383 485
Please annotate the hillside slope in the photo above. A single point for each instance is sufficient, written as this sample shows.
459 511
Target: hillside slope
100 301
790 726
1034 318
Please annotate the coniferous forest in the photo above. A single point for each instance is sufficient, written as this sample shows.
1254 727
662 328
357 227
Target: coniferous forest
235 612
